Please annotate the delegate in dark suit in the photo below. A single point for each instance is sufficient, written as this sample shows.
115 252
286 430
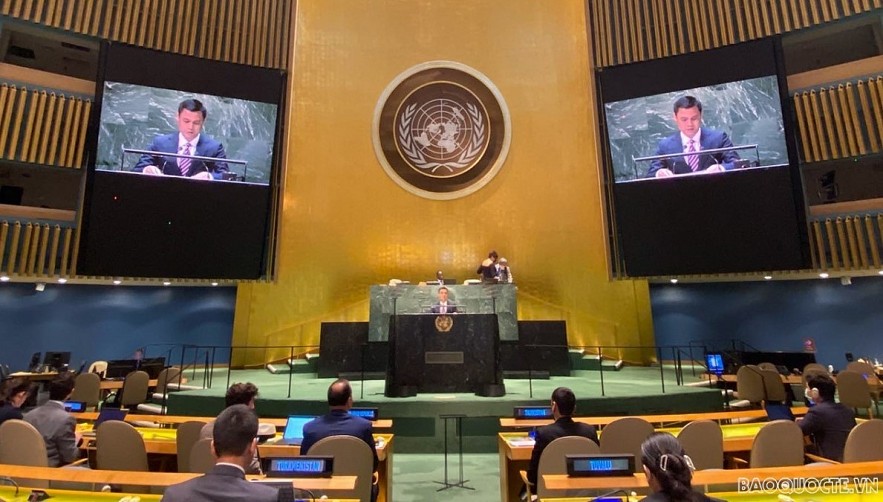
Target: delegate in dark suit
563 427
9 412
829 423
58 430
206 147
225 482
709 139
338 423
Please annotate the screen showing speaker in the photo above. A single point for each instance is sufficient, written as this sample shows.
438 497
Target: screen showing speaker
700 163
183 158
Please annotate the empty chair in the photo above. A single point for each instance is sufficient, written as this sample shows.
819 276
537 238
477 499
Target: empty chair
865 442
870 375
98 367
554 461
202 458
165 377
703 440
22 444
815 367
768 366
773 387
749 384
119 447
854 390
187 435
134 391
777 444
352 457
625 435
87 388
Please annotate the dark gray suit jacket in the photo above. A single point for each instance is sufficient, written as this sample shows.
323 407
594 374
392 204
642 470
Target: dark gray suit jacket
223 483
58 430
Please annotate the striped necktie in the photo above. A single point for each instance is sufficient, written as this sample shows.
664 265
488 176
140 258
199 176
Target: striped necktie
692 160
184 162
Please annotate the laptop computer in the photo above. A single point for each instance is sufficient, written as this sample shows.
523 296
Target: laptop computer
294 430
105 415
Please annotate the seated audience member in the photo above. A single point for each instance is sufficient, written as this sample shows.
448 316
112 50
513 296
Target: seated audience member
669 470
13 394
58 427
827 422
235 443
238 393
338 421
563 405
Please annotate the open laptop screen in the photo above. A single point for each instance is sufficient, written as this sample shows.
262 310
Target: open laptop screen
294 428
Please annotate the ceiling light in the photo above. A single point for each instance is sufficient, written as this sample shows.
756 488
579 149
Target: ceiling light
166 283
674 281
824 275
117 282
62 280
214 284
767 277
5 278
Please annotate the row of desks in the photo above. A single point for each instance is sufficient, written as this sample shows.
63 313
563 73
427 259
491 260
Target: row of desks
720 416
146 479
90 416
106 385
164 442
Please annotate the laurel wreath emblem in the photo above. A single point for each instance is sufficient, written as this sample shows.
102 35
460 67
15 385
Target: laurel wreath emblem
415 156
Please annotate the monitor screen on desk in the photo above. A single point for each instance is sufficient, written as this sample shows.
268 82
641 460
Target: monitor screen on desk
714 361
57 360
119 368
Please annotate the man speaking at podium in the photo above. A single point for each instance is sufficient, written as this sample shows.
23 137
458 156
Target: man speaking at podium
443 306
189 140
692 138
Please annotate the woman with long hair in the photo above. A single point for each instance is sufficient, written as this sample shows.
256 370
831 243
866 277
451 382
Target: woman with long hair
669 470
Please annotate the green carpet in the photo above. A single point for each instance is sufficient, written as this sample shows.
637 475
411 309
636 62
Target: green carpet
417 426
415 477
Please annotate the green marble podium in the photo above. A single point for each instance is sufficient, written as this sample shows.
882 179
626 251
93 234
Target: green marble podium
406 299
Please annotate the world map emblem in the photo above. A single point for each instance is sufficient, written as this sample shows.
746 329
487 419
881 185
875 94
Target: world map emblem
441 130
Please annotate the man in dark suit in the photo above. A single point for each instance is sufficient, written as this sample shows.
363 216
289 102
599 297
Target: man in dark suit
827 422
57 426
189 140
234 442
563 405
443 306
692 138
338 421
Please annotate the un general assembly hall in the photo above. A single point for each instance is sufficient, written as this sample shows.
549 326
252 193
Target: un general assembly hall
489 250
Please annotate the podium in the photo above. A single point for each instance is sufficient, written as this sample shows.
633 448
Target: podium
444 353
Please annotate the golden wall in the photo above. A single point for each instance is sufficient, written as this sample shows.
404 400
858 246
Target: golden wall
345 224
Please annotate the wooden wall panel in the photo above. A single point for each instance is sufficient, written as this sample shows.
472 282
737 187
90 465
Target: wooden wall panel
625 31
254 32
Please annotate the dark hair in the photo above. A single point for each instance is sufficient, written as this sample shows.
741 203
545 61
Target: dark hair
61 386
234 429
339 392
492 254
822 382
193 105
565 400
240 393
443 288
687 102
12 387
664 456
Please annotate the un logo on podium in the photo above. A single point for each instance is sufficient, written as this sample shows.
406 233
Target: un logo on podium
441 130
444 323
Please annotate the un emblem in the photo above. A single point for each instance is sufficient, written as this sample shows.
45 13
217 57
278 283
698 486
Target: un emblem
444 323
441 130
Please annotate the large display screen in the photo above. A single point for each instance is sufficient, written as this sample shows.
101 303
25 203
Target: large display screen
141 125
183 165
701 165
744 118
